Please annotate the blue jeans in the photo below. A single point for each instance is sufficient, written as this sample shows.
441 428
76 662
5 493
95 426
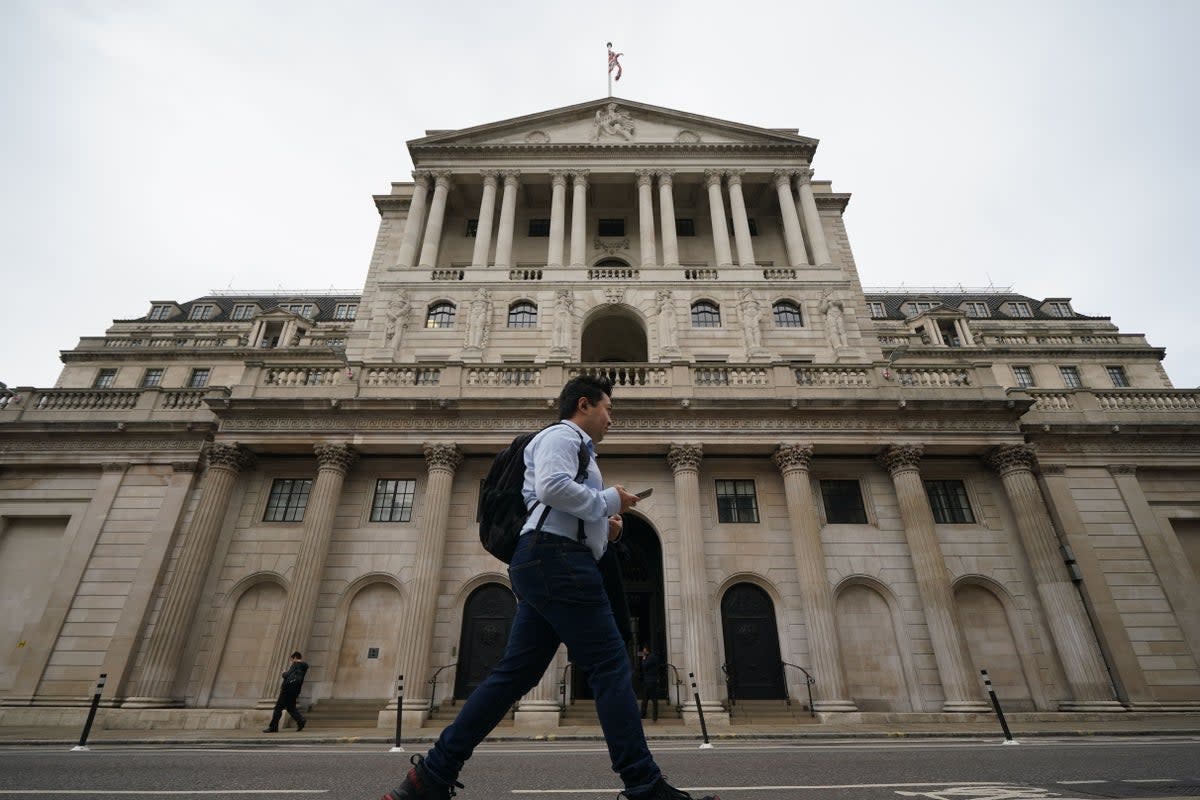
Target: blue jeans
560 599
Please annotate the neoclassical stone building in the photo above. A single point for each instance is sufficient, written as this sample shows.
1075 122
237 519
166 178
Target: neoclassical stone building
889 489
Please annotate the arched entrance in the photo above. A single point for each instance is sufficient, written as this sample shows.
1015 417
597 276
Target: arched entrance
487 617
614 335
751 643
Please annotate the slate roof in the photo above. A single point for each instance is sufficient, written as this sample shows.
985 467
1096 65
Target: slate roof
325 306
893 304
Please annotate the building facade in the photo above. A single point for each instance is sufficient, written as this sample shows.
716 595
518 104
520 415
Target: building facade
885 491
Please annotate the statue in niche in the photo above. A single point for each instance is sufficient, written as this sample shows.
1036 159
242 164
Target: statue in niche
667 327
751 320
477 320
564 303
613 121
397 319
835 321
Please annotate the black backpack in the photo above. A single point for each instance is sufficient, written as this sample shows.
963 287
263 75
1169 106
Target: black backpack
502 512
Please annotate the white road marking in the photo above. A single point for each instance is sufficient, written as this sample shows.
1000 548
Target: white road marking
160 792
1071 783
1148 780
765 788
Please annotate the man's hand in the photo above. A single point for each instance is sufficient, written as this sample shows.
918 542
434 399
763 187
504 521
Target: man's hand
615 523
628 500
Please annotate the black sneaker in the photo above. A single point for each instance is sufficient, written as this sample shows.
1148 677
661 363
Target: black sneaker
665 791
270 730
300 725
420 785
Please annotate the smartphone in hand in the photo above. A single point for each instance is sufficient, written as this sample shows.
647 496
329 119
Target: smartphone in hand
642 495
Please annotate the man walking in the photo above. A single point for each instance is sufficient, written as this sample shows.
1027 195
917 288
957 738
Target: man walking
560 599
648 666
289 692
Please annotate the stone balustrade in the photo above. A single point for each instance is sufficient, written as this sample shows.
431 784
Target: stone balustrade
401 376
731 376
626 374
614 274
504 376
300 376
833 376
28 404
933 376
1102 404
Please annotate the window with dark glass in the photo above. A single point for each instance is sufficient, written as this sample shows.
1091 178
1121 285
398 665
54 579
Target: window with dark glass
949 502
610 227
1117 376
1060 310
345 311
978 310
441 315
1020 309
877 310
105 379
787 315
843 502
685 226
539 227
1070 376
152 377
205 311
736 501
242 311
706 314
522 314
1023 376
472 228
393 500
199 378
160 312
289 497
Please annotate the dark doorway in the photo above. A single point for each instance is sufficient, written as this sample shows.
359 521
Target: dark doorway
642 574
615 335
751 643
487 616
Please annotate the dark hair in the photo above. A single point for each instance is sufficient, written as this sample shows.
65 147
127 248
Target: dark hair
588 386
297 654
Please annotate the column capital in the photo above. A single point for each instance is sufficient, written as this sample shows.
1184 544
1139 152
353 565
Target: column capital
1011 458
804 176
793 457
489 176
581 175
558 177
512 177
228 456
441 177
1122 469
335 456
899 458
665 176
442 456
712 177
783 177
684 457
644 176
422 176
733 177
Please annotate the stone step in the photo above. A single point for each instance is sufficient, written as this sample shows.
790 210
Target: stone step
344 713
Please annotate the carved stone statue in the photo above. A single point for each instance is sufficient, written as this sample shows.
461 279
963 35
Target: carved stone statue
751 320
613 121
667 325
835 322
477 320
563 306
397 319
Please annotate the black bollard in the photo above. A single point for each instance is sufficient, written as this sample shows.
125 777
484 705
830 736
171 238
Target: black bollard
396 748
700 710
987 682
91 717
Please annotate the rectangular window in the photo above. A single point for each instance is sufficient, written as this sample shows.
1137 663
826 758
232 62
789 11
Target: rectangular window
199 378
685 227
289 496
303 309
736 501
877 310
610 227
152 377
345 311
242 311
1020 309
843 502
204 311
105 378
1060 310
539 228
160 312
472 228
1023 377
978 310
1117 376
393 500
1070 376
949 502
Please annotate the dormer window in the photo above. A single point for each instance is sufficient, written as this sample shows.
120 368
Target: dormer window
345 311
919 306
977 310
877 310
242 311
1017 309
203 311
303 309
160 312
1059 309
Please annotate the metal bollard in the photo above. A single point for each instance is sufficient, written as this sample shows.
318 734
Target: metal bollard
700 710
987 682
396 748
91 717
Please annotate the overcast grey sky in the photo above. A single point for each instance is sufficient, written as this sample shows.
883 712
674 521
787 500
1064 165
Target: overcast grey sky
158 150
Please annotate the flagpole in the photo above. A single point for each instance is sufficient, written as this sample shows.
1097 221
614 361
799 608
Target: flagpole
610 73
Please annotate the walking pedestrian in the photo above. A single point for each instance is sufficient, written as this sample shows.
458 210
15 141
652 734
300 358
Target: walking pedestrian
289 692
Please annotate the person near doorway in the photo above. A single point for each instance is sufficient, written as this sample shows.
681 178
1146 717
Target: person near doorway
560 600
289 692
649 667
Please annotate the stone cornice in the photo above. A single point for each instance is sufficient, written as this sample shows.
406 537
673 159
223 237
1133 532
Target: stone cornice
525 150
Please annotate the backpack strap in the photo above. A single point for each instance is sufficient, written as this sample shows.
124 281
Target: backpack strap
585 461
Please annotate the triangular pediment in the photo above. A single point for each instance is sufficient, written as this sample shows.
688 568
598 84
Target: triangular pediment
611 121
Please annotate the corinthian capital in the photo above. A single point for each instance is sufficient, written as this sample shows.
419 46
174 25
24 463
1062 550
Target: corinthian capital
804 176
422 176
644 177
581 176
335 456
685 457
489 176
228 456
442 177
665 176
558 177
733 177
1011 458
783 177
712 177
791 457
900 457
442 456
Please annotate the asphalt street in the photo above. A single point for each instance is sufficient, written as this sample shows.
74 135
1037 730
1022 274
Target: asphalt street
947 769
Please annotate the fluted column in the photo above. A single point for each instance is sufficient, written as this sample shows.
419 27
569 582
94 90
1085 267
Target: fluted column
716 212
416 625
699 644
645 192
741 221
830 692
558 217
483 230
792 235
416 218
666 210
1078 650
300 606
959 683
538 710
508 217
437 215
579 217
160 663
812 218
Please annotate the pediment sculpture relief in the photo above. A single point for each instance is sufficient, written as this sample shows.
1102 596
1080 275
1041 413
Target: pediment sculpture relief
612 121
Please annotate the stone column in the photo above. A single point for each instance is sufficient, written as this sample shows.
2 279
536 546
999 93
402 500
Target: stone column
558 217
300 606
437 215
416 219
1079 654
160 663
483 230
699 645
959 683
645 178
812 218
538 710
741 222
416 625
579 217
829 692
666 210
716 212
792 235
508 217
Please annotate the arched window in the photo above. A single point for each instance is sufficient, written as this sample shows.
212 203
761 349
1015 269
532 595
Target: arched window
522 314
441 315
706 314
787 315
